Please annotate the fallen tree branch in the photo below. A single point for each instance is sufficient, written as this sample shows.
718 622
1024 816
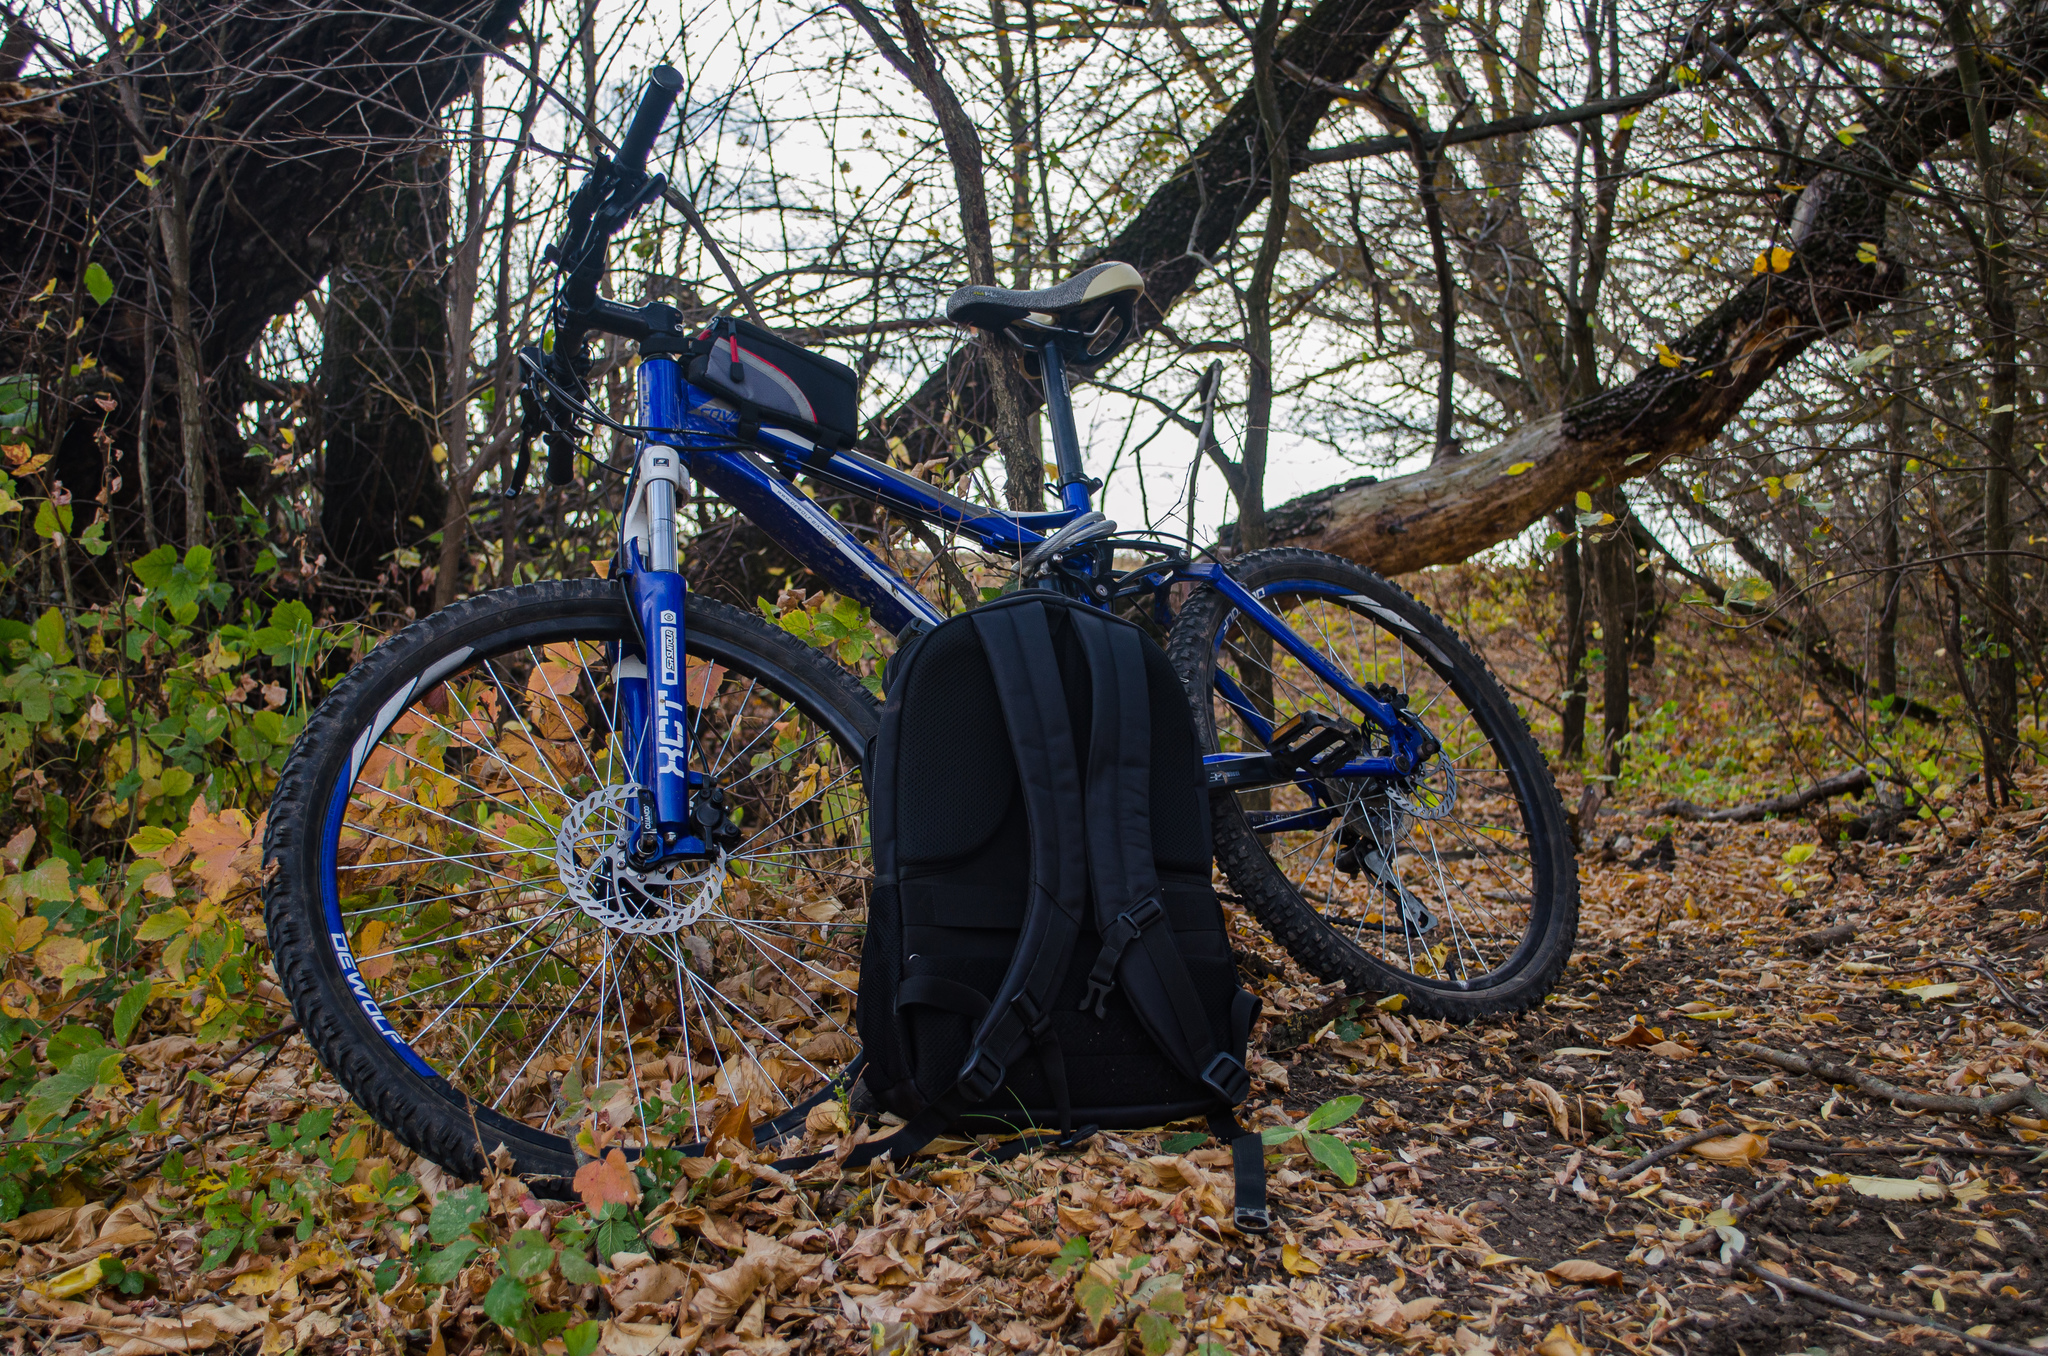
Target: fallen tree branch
1807 1146
1842 784
1636 1166
1843 1302
1891 1092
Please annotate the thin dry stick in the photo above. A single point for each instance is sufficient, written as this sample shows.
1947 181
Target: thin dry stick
1877 1087
1814 1292
1635 1166
1741 1213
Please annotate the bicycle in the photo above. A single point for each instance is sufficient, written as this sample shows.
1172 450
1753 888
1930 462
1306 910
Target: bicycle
580 863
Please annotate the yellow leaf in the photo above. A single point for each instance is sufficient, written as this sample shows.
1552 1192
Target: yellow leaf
1520 468
155 158
1927 993
1866 253
1897 1188
76 1281
1798 853
1391 1003
1584 501
1297 1265
1733 1150
1560 1342
1666 356
1684 253
439 452
1781 259
58 952
147 182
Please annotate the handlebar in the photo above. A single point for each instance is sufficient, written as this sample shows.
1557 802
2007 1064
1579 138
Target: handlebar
617 188
664 83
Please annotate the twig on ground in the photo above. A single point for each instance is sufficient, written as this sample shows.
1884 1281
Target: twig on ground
1807 1146
1740 1213
1677 1146
1829 1297
1891 1092
1842 784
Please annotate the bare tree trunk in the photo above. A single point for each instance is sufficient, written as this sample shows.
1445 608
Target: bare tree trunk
918 62
1572 573
1614 566
175 228
2001 714
1250 485
383 371
1891 580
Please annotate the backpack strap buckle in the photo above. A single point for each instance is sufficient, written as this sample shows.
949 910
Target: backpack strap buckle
980 1076
1228 1078
1125 930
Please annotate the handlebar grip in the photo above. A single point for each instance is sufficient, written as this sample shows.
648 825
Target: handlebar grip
561 459
663 84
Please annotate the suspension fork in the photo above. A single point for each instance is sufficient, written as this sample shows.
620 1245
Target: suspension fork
654 707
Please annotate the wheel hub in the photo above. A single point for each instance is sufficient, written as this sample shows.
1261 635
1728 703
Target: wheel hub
592 857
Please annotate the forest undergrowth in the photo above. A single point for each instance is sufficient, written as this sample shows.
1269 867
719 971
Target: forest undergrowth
179 1174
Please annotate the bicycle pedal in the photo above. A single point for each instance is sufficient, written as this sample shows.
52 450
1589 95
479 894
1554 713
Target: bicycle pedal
1314 743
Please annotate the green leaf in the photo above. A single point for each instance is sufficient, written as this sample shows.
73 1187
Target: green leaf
1279 1134
1095 1296
454 1213
49 636
1156 1333
529 1254
1185 1142
159 926
581 1340
618 1230
1074 1252
51 881
1336 1111
388 1273
508 1305
1336 1155
129 1010
70 1041
577 1269
443 1266
99 284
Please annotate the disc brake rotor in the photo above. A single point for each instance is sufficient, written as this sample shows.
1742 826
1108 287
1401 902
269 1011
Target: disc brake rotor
590 856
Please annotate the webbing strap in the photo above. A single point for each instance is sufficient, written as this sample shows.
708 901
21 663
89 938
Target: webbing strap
948 995
1247 1171
1138 942
1017 639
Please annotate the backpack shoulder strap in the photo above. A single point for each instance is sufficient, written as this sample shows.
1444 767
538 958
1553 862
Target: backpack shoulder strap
1017 639
1138 946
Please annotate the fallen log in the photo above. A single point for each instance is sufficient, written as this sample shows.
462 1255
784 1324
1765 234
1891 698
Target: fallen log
1843 784
2029 1095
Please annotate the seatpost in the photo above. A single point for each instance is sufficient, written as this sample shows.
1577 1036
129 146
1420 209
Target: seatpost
1075 486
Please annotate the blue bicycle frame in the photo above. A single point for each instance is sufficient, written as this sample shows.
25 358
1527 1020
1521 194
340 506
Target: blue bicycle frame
695 435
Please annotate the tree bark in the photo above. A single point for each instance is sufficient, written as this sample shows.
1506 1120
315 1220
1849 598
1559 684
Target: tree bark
384 371
278 115
1459 507
1572 737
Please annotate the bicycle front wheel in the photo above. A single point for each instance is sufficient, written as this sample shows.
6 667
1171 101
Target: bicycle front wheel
1456 887
466 951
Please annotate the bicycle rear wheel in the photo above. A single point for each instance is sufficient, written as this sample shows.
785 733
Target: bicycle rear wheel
1456 888
473 963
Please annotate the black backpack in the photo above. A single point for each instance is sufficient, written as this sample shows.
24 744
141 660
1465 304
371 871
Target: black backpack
1044 946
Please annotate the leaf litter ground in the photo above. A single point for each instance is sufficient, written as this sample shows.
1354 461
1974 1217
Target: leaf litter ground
1496 1205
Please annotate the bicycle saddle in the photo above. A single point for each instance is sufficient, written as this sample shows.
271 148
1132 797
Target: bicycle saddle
1091 314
